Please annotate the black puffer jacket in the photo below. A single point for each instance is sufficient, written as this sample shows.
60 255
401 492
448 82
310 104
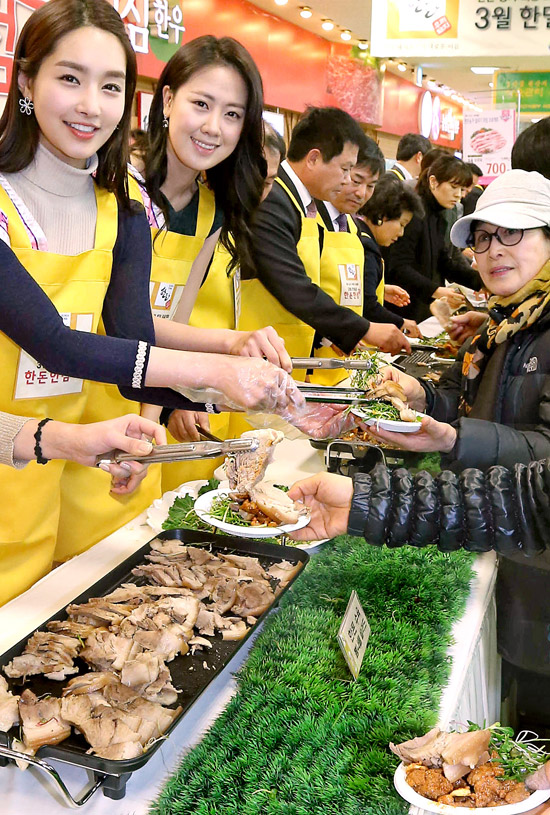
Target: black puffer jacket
420 261
502 509
518 407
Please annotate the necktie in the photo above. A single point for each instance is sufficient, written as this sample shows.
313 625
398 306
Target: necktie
342 222
311 209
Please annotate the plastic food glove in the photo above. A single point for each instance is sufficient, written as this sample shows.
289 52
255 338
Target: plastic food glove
248 384
321 421
328 497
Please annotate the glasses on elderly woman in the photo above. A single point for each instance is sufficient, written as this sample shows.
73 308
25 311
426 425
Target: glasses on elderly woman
480 239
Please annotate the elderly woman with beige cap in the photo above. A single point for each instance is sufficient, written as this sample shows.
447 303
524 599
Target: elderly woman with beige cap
491 412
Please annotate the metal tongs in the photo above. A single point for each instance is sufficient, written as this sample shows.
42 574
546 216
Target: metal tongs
332 362
188 451
330 395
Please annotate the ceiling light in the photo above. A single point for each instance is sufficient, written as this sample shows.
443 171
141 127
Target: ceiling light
535 121
281 2
363 45
346 34
383 67
305 12
327 25
491 84
483 69
402 66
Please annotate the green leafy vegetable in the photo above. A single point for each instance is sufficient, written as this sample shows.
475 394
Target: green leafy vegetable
439 339
362 380
221 509
182 515
519 757
379 409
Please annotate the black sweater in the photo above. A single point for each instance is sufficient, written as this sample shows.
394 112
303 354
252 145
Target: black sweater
420 262
275 234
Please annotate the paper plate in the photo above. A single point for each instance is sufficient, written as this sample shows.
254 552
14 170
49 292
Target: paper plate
204 503
407 792
388 424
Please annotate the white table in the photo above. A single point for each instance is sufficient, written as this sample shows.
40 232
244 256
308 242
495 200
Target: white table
473 691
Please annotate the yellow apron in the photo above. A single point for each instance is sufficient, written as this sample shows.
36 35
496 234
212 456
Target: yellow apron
76 284
260 308
217 306
381 285
173 256
342 267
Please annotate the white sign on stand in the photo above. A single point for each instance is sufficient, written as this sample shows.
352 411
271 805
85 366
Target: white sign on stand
488 140
354 634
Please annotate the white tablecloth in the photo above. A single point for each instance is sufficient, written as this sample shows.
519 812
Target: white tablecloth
473 690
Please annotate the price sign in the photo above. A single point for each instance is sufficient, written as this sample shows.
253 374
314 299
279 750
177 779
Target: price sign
354 634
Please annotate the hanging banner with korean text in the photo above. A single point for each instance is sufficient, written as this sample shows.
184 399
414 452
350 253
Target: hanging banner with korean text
533 88
419 28
488 140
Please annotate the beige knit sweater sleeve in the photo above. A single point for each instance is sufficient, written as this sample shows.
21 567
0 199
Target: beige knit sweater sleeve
10 426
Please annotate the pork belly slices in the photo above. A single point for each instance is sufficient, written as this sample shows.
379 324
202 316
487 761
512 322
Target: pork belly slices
42 721
48 653
106 651
9 708
253 598
172 574
99 611
247 468
116 722
148 675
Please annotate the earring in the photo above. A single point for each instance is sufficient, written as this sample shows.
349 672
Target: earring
164 121
26 106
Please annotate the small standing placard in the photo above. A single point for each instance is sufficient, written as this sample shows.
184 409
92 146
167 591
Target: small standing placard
354 634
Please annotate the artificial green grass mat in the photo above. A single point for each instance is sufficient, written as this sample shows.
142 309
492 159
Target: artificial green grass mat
301 737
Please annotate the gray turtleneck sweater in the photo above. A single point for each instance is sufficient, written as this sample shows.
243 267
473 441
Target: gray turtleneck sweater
61 199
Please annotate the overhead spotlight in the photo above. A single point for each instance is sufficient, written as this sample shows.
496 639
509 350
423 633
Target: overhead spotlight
305 12
346 34
327 25
281 2
383 67
491 84
483 69
363 45
402 66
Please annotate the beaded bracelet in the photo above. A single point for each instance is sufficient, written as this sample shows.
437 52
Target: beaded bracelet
38 438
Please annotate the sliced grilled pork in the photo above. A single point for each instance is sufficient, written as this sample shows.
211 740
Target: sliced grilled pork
42 721
9 709
244 470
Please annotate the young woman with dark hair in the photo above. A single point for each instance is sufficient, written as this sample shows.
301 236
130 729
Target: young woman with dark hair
383 221
73 237
420 262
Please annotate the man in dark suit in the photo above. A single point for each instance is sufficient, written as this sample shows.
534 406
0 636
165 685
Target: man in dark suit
411 149
322 152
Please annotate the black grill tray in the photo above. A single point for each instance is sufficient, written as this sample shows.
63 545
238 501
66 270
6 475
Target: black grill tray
192 682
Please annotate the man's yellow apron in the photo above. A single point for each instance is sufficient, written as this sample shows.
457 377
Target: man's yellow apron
260 308
89 511
342 267
76 284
